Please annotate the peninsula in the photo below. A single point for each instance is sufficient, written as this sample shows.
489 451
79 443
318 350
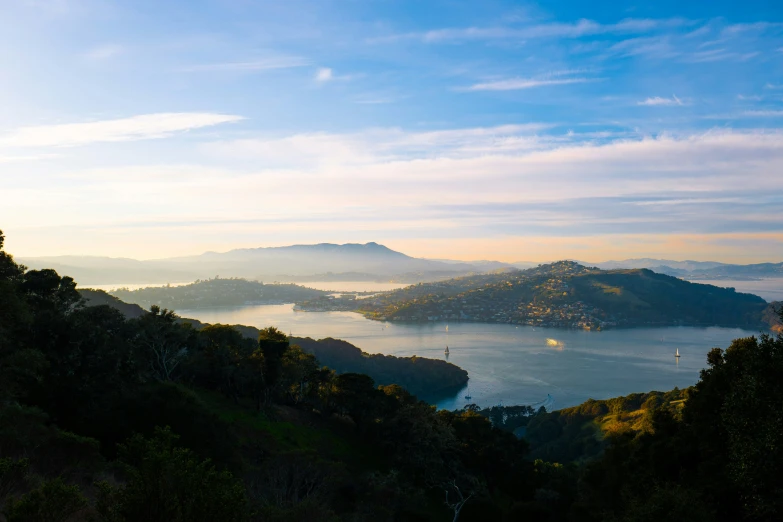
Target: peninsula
563 294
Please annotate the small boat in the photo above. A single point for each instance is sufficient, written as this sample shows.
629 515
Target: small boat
677 355
446 351
468 397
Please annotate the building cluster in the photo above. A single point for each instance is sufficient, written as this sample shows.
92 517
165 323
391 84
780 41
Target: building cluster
544 299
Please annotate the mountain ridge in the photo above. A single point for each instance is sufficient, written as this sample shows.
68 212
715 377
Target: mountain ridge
376 261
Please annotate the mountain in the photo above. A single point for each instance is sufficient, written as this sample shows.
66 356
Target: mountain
216 293
697 269
646 262
93 270
298 262
567 294
302 260
758 270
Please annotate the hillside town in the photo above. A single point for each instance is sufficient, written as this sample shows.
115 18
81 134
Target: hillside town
537 297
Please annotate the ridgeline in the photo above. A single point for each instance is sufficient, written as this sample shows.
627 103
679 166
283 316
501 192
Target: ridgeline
566 295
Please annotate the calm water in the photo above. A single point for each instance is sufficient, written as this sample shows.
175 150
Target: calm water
509 364
770 289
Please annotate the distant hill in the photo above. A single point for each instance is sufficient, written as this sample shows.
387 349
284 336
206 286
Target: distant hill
99 297
646 262
695 270
428 379
217 292
90 270
347 262
567 294
369 261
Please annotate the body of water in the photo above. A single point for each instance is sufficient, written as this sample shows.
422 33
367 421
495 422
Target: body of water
770 289
510 364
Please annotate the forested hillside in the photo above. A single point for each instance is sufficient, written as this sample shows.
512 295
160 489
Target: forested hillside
215 293
566 294
106 418
428 379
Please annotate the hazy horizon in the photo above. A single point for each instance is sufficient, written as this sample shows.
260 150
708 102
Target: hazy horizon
465 260
511 132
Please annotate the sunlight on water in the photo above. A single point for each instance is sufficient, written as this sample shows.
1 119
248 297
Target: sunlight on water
509 364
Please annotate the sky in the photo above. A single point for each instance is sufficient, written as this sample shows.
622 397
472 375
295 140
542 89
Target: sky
506 130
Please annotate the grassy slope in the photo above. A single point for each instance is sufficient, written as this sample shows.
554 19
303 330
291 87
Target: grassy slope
285 429
650 296
581 432
635 297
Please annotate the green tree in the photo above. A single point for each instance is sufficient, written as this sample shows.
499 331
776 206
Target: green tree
52 501
166 483
299 370
272 344
219 363
162 343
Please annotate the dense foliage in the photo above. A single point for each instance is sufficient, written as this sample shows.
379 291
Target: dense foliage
428 379
107 418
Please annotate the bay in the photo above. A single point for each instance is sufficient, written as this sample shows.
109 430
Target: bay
769 289
510 364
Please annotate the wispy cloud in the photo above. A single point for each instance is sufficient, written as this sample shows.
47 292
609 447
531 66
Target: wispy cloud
323 75
751 97
773 86
264 64
17 159
755 27
659 46
147 126
765 113
583 27
103 52
657 100
513 84
379 145
718 55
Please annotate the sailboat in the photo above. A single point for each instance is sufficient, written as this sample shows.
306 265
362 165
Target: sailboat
446 351
677 355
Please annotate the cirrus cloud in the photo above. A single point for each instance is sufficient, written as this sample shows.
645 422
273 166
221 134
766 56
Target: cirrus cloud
142 127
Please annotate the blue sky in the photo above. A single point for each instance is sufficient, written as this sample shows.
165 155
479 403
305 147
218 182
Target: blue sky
494 129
